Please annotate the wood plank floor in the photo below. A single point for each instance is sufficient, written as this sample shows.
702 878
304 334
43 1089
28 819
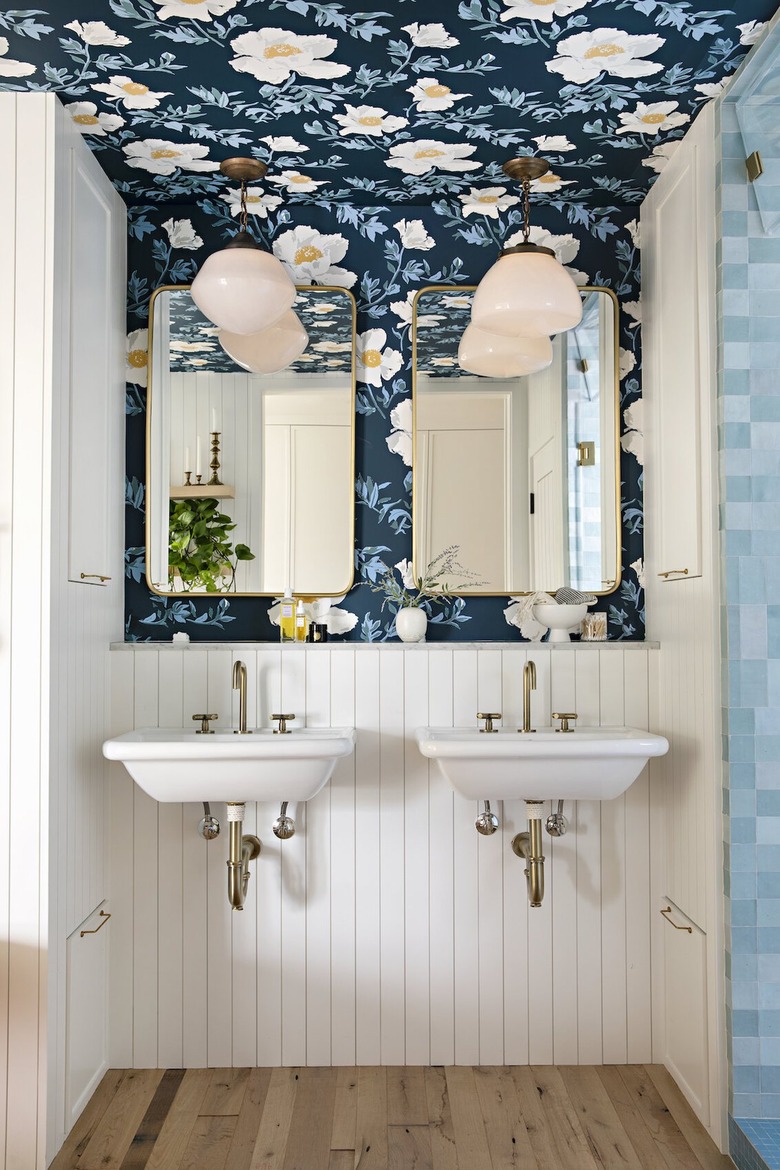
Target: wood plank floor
546 1118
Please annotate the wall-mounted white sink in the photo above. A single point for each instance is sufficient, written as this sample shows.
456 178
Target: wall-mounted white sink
180 765
590 763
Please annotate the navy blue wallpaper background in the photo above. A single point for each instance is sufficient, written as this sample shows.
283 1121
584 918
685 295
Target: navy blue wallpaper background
387 273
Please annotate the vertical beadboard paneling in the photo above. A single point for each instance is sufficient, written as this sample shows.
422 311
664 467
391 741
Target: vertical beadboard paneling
387 930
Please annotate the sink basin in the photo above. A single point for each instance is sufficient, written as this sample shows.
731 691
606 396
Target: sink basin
590 763
180 765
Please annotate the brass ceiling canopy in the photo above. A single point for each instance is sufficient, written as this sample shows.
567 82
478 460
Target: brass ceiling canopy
243 170
525 170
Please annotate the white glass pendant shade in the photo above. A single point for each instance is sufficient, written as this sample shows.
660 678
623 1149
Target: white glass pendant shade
243 289
527 292
494 356
269 351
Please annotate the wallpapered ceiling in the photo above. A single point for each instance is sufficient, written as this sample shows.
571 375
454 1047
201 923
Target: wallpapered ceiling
385 136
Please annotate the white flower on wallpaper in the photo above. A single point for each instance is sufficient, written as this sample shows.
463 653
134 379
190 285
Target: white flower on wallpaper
549 183
295 181
406 574
633 441
85 116
277 142
197 9
96 32
9 67
323 309
312 257
565 246
431 94
137 357
368 120
660 156
413 235
487 201
627 362
751 32
376 361
544 10
181 234
460 302
632 227
399 441
403 309
257 202
161 157
133 95
652 118
333 346
429 36
633 309
181 346
639 568
712 89
585 56
274 54
427 154
553 143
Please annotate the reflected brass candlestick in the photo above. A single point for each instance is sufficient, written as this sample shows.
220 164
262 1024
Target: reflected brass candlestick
188 479
215 481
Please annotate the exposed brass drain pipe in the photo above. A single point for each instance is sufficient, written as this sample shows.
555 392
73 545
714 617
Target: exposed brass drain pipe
529 847
243 849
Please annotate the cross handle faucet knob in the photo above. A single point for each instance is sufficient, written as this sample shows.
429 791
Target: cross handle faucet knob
204 728
564 717
283 720
489 716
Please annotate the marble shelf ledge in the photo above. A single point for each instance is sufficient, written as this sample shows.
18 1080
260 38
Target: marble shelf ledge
410 647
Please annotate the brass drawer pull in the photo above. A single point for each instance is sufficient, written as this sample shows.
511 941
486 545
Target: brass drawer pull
673 573
93 577
104 914
666 914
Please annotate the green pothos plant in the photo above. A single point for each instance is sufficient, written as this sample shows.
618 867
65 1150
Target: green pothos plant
200 550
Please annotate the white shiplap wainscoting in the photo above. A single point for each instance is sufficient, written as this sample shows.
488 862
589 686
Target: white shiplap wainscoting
386 930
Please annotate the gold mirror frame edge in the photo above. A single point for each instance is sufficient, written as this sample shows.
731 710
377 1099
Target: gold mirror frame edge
332 288
454 289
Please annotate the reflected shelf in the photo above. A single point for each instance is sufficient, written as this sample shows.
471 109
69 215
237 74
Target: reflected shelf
202 491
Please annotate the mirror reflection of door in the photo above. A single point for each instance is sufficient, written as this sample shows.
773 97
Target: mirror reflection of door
284 443
521 473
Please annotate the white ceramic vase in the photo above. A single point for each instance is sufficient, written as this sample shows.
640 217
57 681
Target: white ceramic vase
411 622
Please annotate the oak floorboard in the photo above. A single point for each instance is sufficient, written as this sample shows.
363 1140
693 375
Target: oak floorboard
342 1160
707 1153
176 1129
308 1143
608 1141
271 1142
631 1118
556 1138
243 1143
371 1129
443 1150
508 1140
209 1143
225 1092
670 1142
118 1125
342 1135
470 1138
406 1100
78 1138
145 1137
409 1147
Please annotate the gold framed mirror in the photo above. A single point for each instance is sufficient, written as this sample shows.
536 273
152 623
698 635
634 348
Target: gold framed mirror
250 477
522 474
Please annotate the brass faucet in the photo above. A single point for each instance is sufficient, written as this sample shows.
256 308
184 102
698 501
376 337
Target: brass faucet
529 684
239 684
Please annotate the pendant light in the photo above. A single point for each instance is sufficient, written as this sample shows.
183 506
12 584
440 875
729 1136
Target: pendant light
242 288
527 291
495 356
269 351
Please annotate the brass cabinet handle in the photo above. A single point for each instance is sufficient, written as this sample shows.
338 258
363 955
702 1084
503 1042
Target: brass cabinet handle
204 728
282 729
93 577
489 716
666 914
564 717
673 572
104 914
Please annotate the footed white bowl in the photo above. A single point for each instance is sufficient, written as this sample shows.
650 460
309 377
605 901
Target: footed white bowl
559 619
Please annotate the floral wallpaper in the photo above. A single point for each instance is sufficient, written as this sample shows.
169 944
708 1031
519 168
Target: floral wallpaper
384 136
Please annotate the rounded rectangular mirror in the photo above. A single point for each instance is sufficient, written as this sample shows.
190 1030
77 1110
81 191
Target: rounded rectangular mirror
250 477
522 474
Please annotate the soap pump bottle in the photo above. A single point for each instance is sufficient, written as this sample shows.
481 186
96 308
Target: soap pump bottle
301 622
287 616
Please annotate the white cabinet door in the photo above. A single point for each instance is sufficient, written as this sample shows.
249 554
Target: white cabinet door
96 332
86 1027
685 967
678 336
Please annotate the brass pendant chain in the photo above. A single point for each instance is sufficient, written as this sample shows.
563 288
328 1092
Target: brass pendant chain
243 218
526 210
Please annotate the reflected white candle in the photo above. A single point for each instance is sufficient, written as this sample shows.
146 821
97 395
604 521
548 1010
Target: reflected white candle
213 420
197 456
187 464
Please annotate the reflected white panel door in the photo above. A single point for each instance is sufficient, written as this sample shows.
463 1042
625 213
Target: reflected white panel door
462 454
546 474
